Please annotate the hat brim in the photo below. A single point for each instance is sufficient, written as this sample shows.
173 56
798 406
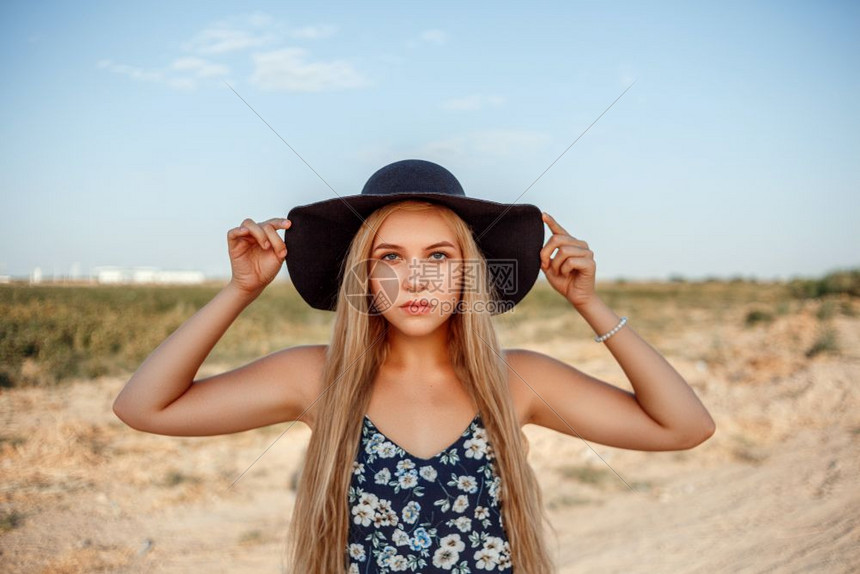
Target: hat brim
509 235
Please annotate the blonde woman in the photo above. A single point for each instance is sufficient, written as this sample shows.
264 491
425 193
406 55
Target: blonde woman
417 461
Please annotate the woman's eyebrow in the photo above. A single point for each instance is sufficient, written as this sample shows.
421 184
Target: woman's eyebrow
392 246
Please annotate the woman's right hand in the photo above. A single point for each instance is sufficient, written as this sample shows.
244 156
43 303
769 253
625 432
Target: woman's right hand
256 253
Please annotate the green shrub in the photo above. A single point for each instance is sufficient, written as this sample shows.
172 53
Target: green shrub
826 343
837 282
758 316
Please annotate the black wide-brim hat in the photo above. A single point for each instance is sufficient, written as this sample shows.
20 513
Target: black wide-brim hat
509 235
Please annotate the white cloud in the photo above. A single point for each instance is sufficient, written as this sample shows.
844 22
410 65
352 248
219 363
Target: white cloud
489 143
200 67
473 102
438 37
185 84
133 72
250 31
259 19
223 40
314 32
183 74
288 70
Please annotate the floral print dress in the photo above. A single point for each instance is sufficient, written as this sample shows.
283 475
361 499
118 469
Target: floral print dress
440 514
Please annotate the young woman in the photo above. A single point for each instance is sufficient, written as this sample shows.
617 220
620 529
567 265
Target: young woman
414 270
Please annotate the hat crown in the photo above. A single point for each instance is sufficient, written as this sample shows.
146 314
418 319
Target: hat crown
413 176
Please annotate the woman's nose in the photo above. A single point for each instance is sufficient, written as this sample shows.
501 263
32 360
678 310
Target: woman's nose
414 280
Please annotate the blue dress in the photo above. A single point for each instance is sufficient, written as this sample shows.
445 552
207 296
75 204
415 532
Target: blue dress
427 515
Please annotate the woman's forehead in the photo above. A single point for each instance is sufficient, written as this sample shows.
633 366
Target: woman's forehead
414 228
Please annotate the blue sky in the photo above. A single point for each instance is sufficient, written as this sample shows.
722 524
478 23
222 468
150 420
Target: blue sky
734 153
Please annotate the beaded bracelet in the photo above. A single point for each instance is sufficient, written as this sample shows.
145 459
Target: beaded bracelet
614 330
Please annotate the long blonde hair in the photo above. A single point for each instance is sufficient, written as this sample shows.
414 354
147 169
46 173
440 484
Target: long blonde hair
317 536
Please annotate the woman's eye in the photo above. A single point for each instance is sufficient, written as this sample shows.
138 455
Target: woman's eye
432 256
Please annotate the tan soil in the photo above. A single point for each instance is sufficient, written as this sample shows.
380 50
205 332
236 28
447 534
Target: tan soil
774 490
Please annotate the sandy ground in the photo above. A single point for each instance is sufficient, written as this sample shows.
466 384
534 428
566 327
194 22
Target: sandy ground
774 490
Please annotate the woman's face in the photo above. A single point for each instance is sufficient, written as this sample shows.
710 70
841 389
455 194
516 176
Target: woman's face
415 257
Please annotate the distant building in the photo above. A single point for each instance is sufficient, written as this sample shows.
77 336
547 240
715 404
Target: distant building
108 275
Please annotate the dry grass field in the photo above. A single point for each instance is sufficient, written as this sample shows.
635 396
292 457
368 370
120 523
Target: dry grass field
774 490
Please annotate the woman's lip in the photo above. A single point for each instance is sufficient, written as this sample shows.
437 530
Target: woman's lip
417 309
416 304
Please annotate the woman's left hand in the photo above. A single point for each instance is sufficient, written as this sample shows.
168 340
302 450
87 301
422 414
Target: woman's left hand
572 271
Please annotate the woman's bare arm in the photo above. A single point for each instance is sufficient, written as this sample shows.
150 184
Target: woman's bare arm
663 413
162 396
169 370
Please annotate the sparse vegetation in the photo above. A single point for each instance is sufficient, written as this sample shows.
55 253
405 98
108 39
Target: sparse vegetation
10 520
49 335
838 282
252 537
176 477
747 450
595 476
825 343
758 316
826 310
52 334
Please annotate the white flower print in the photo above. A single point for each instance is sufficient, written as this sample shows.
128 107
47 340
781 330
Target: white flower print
382 477
428 473
400 537
398 563
464 523
408 479
461 504
370 499
363 514
386 450
467 483
384 558
373 443
486 560
495 552
411 515
445 558
452 541
410 512
493 544
420 539
357 551
495 484
475 448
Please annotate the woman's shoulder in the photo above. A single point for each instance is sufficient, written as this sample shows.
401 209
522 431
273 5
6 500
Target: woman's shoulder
517 362
304 365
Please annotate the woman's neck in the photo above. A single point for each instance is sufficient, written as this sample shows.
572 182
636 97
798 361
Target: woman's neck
424 354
